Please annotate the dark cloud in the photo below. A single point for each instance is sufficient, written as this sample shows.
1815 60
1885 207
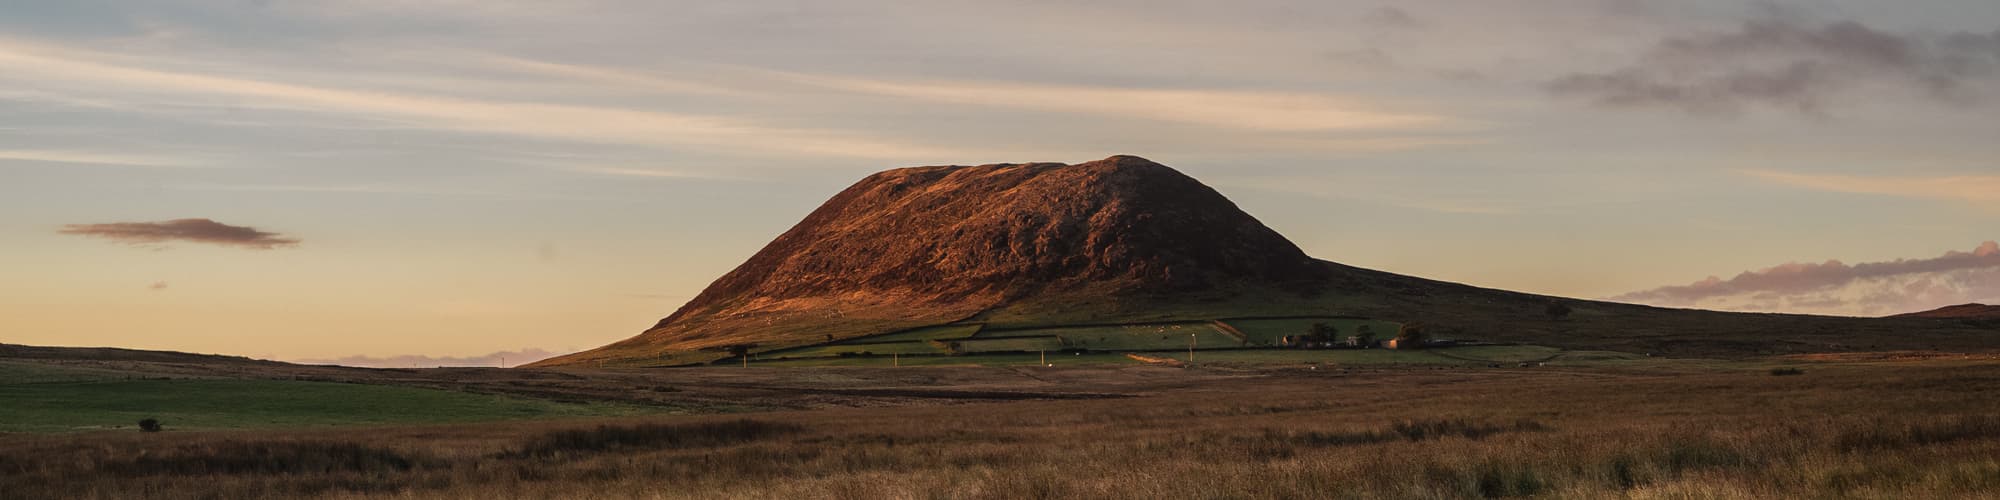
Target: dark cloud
1370 58
1790 65
188 230
1901 285
1391 17
509 358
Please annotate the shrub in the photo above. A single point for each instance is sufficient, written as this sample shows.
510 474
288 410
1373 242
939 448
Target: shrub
150 425
649 437
1779 372
1411 337
1408 430
266 458
1419 430
1502 480
1924 433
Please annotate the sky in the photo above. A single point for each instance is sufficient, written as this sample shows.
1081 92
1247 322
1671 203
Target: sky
412 182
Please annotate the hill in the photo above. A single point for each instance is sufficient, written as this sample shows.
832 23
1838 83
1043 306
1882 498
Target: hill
1962 311
102 354
1124 240
1112 240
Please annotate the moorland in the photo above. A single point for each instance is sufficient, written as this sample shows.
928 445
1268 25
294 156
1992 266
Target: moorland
1477 423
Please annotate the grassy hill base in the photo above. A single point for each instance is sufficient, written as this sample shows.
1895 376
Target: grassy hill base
982 339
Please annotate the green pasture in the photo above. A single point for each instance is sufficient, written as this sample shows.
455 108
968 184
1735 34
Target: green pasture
929 333
829 350
1263 332
1145 337
992 359
27 406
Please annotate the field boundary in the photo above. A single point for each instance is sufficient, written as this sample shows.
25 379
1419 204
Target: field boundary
1231 330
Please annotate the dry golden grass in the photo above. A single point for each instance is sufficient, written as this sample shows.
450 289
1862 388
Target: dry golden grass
1879 430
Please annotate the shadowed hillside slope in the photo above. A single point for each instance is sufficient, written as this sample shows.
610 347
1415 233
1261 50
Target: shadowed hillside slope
1962 311
1124 239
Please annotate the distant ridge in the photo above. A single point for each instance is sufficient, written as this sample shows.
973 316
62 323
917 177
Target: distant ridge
17 351
1961 311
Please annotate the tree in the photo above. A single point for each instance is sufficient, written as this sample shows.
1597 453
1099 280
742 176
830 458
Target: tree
1364 336
1411 337
150 425
1322 332
739 350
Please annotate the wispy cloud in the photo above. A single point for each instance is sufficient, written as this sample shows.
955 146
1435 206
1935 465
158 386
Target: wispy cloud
1391 17
1234 109
654 173
501 359
1980 189
184 230
1378 195
307 188
92 158
532 119
623 78
1834 286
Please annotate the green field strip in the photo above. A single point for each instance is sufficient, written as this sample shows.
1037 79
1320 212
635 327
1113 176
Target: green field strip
1268 331
830 350
920 334
222 404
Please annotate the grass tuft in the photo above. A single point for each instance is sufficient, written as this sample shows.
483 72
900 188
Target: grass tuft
607 439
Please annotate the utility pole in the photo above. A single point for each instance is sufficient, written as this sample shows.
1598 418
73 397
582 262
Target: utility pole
1045 358
1192 339
746 359
895 359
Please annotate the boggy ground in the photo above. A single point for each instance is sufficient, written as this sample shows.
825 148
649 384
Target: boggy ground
1860 429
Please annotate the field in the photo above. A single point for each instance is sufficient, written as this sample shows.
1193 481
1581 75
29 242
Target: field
1144 337
929 333
208 404
1268 331
46 398
1625 427
990 360
978 338
833 350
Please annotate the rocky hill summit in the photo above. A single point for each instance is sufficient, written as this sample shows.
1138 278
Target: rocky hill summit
928 245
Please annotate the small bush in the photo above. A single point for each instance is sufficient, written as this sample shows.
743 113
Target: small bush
1501 480
1885 436
1276 444
649 437
266 458
150 425
1419 430
1699 453
1780 372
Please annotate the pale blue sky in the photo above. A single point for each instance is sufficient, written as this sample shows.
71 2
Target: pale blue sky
470 176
